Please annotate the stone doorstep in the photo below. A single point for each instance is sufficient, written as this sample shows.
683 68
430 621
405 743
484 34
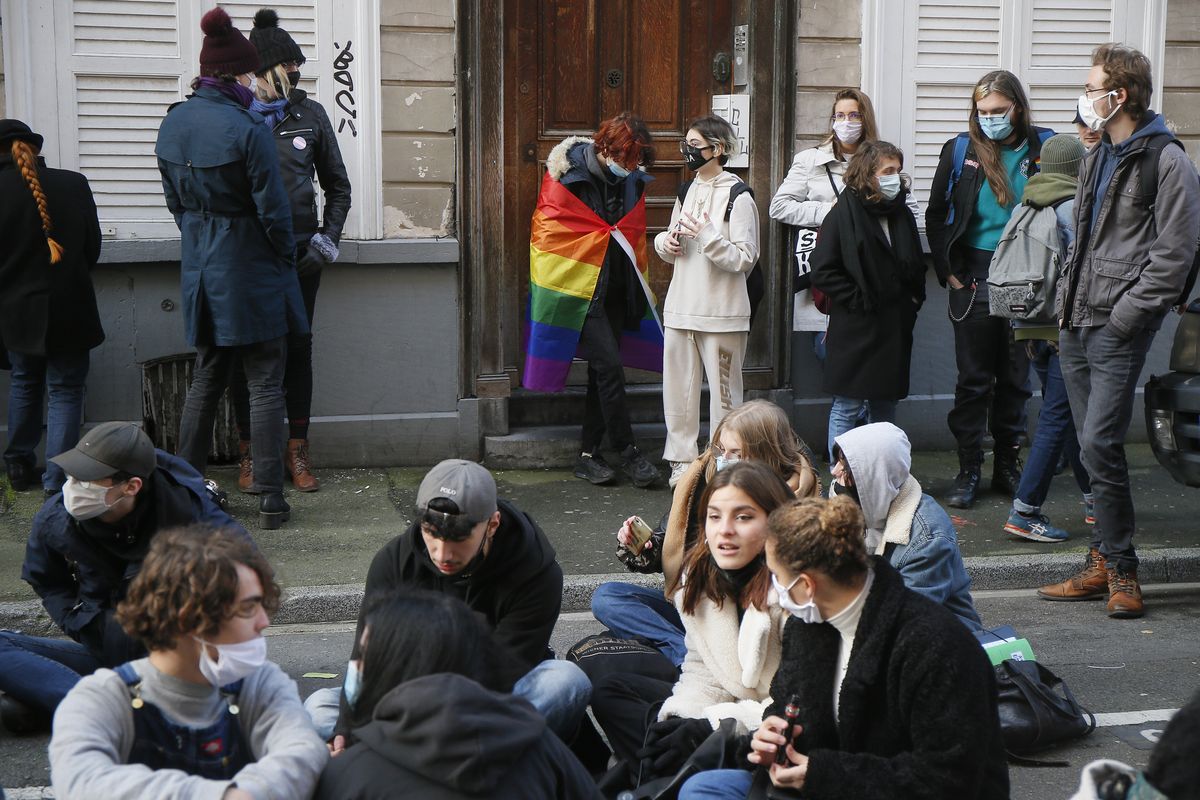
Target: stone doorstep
313 604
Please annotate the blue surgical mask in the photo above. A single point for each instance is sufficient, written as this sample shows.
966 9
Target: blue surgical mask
996 128
618 170
353 685
889 185
805 612
726 461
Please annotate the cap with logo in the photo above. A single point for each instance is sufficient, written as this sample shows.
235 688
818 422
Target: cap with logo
107 449
467 484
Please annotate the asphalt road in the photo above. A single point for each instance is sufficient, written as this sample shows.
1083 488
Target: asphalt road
1115 668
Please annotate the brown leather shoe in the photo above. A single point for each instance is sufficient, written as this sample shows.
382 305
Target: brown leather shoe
1124 595
298 467
1089 584
245 469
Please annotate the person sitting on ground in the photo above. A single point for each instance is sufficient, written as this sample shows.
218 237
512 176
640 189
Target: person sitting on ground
894 698
756 431
468 544
85 547
872 465
733 623
432 720
205 714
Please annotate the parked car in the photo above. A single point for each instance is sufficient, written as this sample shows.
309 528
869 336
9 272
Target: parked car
1173 404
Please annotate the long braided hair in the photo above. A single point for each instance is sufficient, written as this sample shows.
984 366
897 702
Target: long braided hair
24 156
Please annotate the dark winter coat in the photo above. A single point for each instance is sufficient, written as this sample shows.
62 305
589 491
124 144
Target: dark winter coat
518 587
917 711
444 737
867 349
47 309
222 182
81 570
306 122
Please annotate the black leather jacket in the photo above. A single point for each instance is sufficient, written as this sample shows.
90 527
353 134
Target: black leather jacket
307 122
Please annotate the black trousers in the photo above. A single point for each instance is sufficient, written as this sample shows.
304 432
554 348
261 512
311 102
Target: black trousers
606 408
626 705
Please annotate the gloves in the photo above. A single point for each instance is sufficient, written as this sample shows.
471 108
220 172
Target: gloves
310 261
670 743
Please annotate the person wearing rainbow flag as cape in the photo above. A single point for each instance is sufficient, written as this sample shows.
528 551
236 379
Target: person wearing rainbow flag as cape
588 291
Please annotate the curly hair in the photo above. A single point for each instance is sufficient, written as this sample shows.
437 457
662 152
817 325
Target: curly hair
24 155
822 535
860 175
1126 68
188 584
626 140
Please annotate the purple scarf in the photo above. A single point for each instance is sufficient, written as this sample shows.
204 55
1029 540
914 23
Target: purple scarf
231 89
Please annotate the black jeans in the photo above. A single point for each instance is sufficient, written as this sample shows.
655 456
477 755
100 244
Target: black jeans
1101 371
626 705
606 408
993 369
263 363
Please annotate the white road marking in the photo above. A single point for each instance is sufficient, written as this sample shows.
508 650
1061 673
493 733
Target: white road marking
1134 717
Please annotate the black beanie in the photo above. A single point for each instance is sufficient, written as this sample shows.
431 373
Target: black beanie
274 44
225 50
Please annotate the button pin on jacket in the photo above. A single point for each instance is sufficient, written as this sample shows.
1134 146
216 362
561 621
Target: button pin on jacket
299 143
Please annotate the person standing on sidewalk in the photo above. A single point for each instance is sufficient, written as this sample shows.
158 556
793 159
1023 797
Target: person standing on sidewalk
706 318
241 298
980 177
48 316
307 146
1135 246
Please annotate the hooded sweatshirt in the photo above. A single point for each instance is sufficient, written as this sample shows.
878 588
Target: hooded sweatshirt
1109 155
444 736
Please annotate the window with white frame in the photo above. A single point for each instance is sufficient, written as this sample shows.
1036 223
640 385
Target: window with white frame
107 71
922 58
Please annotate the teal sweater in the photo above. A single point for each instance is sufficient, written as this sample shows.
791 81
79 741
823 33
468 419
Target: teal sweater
988 221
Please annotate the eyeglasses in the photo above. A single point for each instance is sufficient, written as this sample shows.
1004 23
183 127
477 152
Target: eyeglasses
853 116
995 115
684 144
723 453
441 525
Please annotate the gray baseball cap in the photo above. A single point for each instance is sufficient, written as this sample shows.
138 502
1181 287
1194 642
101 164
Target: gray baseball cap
467 484
109 448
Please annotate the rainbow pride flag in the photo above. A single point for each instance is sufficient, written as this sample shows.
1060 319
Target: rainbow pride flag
566 252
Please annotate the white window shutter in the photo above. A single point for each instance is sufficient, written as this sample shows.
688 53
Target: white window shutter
1063 34
958 33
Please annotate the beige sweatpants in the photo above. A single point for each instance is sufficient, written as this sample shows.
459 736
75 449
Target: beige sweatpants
689 357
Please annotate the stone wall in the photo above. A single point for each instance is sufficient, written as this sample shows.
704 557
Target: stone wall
1181 73
828 58
418 68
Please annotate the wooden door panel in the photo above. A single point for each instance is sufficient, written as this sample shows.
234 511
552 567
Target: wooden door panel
570 70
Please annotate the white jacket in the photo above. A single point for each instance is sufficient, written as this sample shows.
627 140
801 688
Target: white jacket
806 194
708 283
728 668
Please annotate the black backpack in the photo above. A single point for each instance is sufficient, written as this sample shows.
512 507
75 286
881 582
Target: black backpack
756 287
1149 188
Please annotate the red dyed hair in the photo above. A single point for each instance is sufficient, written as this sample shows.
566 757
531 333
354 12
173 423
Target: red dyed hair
625 139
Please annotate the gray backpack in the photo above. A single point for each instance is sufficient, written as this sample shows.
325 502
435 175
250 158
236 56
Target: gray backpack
1023 275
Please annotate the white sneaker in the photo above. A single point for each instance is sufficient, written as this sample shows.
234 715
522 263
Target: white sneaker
677 470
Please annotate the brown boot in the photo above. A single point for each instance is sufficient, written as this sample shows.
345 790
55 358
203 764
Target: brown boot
1089 584
1124 595
298 467
245 469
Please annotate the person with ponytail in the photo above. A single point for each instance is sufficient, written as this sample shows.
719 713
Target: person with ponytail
48 316
241 297
892 697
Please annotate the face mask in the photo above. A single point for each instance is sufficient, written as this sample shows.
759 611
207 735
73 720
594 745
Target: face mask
995 128
726 461
842 490
618 170
294 78
234 661
1087 111
847 132
694 157
353 686
253 84
85 502
805 612
889 185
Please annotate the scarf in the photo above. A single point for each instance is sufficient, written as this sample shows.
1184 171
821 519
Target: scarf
1047 188
878 267
231 89
272 112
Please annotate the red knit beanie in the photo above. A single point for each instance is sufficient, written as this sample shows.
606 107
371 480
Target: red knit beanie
225 51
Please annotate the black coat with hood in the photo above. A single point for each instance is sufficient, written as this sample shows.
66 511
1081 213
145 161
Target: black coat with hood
444 737
307 145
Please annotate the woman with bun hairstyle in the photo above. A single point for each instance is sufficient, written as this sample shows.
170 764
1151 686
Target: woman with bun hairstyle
895 697
970 202
48 316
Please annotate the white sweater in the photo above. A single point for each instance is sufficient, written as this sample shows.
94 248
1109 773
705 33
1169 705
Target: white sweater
846 622
708 283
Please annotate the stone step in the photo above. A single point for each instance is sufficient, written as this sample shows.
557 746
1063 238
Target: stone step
528 409
557 446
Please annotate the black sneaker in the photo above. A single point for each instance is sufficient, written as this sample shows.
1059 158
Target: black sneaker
1006 471
22 476
273 511
966 487
594 469
20 718
640 471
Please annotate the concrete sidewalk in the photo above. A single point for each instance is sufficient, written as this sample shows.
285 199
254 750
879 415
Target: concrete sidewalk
323 555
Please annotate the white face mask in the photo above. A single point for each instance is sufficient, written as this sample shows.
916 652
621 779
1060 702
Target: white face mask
1087 111
889 185
234 661
352 687
726 461
85 501
847 131
805 612
253 84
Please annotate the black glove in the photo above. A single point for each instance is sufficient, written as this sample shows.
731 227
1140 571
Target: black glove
310 262
670 743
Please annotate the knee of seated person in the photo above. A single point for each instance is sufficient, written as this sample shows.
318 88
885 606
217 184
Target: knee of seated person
603 598
563 677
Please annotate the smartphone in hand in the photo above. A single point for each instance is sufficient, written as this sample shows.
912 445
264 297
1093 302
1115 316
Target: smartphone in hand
641 534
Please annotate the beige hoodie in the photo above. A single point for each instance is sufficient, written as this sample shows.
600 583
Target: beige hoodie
708 285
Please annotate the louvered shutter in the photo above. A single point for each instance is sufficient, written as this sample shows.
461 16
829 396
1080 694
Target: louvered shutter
1062 36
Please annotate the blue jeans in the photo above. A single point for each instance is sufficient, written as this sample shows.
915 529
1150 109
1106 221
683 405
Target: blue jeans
629 610
64 376
559 690
717 784
1055 433
847 413
38 671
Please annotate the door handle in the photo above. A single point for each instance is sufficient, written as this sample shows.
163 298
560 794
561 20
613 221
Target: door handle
529 152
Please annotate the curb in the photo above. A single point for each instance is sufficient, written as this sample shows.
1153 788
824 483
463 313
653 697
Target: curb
319 604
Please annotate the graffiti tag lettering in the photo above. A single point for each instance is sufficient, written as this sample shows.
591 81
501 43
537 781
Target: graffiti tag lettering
345 97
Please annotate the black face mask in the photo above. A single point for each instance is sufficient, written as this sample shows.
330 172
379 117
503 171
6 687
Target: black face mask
294 78
846 491
695 159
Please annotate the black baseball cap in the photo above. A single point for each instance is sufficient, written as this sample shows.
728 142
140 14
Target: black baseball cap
107 449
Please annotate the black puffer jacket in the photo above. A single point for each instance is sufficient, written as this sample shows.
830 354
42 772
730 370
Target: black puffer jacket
306 121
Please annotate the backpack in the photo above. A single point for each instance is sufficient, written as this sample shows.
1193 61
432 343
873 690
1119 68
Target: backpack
756 287
1023 275
961 143
1149 188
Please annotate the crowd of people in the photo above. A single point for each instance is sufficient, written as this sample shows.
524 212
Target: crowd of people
823 639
